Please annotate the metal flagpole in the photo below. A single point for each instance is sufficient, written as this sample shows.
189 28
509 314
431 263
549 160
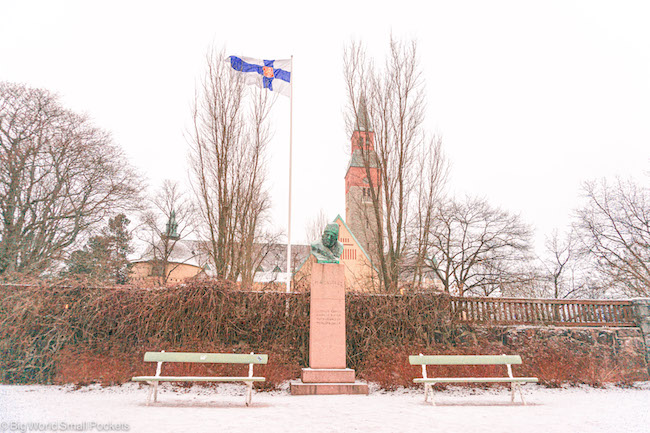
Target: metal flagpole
289 273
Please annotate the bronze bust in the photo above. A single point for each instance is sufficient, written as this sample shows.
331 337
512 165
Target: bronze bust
328 249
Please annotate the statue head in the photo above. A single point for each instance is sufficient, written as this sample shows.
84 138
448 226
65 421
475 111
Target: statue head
329 249
330 235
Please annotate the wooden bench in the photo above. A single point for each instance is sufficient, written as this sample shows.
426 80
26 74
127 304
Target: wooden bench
214 358
506 360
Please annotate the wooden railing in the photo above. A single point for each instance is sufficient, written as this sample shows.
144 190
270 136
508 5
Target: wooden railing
543 311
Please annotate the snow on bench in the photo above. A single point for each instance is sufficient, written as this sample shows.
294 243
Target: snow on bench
214 358
506 360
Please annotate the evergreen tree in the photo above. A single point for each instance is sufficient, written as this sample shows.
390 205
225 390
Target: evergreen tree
104 257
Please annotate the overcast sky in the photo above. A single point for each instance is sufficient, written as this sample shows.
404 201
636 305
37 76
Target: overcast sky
531 98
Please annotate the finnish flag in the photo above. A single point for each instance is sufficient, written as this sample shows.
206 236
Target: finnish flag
274 75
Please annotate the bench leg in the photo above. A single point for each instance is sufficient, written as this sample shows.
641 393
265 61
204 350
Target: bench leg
149 393
249 393
513 388
521 394
155 391
428 388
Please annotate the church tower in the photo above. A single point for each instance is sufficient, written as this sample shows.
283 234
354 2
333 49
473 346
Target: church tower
361 177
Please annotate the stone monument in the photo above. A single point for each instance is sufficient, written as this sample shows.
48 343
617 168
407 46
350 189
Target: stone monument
327 372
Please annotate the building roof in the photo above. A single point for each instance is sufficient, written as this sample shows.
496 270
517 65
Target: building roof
275 257
356 241
273 266
190 252
358 159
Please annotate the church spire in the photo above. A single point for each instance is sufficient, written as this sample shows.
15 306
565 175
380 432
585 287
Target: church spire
172 227
362 121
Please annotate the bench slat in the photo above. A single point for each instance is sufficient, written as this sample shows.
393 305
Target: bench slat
464 359
474 379
221 358
196 379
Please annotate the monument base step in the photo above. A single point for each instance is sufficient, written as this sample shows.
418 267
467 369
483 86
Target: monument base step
327 375
301 388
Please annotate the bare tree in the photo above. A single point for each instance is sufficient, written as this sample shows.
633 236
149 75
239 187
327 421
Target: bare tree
566 271
168 220
614 227
388 106
476 248
532 282
316 225
228 143
433 171
59 177
562 253
563 271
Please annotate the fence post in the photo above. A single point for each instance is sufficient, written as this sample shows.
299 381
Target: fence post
641 312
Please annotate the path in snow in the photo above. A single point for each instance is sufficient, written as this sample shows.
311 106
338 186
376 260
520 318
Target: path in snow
197 409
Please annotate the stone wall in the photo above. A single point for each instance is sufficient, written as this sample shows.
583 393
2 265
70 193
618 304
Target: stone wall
629 346
556 355
626 344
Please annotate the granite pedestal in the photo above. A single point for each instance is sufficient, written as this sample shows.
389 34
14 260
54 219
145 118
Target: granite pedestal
327 372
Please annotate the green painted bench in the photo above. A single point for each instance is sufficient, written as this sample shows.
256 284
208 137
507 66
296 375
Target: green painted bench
507 360
214 358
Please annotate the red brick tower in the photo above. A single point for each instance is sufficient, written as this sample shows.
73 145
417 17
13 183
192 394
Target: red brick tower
362 175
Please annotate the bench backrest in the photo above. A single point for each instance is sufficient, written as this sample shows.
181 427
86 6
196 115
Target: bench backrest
464 359
215 358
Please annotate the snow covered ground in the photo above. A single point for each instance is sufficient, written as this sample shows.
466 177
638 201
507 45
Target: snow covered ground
197 409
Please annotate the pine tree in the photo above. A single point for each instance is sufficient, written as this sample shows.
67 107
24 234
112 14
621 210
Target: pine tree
105 257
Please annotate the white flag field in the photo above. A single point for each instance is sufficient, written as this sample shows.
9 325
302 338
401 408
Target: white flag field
273 75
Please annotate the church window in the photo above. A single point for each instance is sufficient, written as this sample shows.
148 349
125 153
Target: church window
349 254
364 142
366 197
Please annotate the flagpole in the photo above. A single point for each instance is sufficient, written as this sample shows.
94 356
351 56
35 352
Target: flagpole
289 273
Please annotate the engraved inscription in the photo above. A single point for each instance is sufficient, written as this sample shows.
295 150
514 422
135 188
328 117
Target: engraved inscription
330 317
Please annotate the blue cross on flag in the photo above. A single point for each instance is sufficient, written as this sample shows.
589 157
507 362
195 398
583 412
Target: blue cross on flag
274 75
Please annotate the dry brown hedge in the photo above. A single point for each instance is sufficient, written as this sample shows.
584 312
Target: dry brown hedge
64 334
38 323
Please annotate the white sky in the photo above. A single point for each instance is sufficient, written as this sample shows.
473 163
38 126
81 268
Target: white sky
531 98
